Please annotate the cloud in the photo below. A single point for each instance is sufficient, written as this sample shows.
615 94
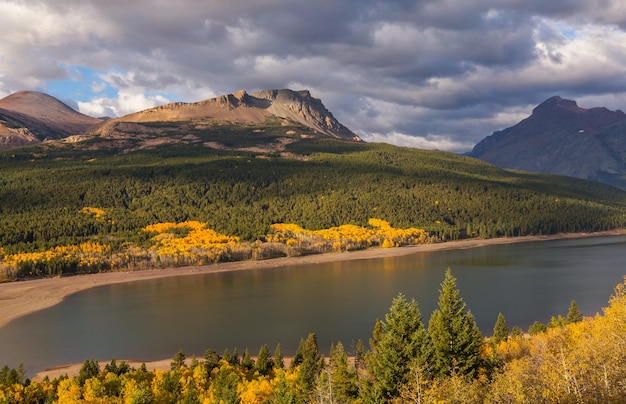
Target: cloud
427 74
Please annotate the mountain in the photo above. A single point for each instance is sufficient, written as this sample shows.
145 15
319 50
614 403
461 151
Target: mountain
30 117
559 137
265 119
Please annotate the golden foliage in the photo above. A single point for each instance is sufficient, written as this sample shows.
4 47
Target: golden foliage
96 212
579 362
191 240
347 236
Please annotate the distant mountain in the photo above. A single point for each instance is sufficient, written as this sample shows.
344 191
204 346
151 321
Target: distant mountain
562 138
300 115
31 117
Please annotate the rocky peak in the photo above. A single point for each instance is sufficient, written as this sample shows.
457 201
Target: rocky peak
302 107
558 104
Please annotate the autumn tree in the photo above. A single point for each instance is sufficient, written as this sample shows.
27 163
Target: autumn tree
455 337
398 342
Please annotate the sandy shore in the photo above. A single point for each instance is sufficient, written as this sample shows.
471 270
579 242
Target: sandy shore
20 298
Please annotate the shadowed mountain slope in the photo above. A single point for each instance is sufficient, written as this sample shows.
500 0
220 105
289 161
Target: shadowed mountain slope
562 138
30 117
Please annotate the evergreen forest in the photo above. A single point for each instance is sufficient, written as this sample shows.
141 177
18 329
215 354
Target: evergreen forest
68 208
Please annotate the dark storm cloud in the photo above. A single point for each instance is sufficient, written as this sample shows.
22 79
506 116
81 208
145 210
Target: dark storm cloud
437 74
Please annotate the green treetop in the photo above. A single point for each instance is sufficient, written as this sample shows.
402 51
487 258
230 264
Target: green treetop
500 330
455 337
399 342
573 314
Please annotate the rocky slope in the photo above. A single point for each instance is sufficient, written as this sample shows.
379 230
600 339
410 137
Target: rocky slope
559 137
30 117
297 107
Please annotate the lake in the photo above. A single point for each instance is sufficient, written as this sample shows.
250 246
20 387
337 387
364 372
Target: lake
339 301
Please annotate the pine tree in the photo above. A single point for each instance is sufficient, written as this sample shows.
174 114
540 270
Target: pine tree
246 361
359 355
310 365
278 357
342 377
224 386
263 363
398 343
455 337
500 330
516 332
573 314
178 361
90 368
537 328
211 360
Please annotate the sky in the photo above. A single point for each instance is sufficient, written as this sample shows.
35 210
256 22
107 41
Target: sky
435 74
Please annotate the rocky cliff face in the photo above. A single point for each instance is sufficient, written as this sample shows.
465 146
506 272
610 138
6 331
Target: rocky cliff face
562 138
301 107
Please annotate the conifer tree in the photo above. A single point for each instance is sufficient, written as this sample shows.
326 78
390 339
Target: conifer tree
455 337
500 330
90 368
573 314
359 355
246 361
263 363
178 360
211 360
310 363
398 343
537 328
278 357
224 386
342 377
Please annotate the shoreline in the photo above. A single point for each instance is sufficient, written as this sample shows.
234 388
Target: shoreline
20 298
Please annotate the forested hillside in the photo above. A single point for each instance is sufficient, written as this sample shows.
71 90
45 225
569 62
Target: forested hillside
100 200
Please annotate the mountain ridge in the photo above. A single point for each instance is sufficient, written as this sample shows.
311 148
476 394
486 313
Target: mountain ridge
561 138
240 107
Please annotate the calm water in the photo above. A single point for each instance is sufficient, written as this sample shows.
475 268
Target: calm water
339 301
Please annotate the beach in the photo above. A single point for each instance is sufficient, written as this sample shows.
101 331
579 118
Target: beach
20 298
